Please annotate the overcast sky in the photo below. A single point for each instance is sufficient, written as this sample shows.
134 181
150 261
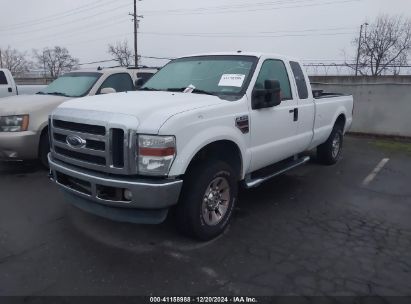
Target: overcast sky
307 29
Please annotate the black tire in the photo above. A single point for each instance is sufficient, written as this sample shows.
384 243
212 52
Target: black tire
191 215
44 149
326 152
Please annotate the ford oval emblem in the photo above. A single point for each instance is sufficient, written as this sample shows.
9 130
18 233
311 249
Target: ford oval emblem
75 141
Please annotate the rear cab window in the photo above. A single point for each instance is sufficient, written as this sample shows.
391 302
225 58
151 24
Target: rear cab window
299 80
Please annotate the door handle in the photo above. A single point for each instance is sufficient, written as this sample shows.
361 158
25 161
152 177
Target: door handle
295 111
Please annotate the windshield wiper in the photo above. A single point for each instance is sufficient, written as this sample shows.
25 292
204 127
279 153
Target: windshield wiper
147 89
195 91
57 93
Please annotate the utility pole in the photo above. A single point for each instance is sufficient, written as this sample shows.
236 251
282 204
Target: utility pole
135 35
359 47
135 20
1 61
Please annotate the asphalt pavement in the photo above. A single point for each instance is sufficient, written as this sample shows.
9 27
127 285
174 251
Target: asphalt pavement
315 230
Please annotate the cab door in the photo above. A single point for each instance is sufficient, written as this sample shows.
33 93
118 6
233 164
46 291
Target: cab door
274 129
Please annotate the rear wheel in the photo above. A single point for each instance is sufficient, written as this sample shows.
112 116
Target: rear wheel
207 201
330 152
44 149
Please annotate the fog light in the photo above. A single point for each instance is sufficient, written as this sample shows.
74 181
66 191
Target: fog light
128 195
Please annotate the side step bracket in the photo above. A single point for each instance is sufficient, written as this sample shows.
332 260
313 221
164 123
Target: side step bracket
251 182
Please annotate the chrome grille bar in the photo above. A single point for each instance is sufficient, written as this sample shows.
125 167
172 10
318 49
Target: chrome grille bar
97 152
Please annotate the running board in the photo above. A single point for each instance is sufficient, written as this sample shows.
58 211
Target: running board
251 183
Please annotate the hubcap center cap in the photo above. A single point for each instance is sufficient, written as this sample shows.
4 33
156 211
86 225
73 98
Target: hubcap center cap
213 200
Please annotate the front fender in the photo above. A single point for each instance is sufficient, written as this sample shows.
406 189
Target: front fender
186 153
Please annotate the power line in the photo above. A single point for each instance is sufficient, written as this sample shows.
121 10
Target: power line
195 11
71 31
160 58
57 16
223 7
74 31
76 20
345 65
100 61
110 60
320 64
337 29
240 10
79 10
264 34
242 35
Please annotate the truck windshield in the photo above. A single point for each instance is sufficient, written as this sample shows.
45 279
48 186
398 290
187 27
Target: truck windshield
75 84
216 75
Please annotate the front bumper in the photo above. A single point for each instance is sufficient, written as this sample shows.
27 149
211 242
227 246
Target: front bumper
108 190
19 145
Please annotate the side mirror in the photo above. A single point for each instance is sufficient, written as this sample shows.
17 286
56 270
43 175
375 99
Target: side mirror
107 91
139 83
268 97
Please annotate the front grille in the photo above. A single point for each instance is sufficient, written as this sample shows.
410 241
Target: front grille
98 148
90 144
99 160
117 136
96 145
79 127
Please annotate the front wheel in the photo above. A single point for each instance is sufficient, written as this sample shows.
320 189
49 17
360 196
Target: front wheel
44 149
330 152
207 201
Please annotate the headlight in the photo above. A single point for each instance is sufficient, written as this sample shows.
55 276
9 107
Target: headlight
15 123
155 154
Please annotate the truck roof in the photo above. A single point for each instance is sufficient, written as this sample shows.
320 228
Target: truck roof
117 70
102 70
243 53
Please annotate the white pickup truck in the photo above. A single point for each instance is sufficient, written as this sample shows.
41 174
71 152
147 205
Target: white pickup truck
196 129
24 118
8 86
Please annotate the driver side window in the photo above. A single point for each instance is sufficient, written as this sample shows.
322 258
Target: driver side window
120 82
275 70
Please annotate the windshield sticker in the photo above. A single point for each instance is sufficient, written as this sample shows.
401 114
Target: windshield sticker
231 80
189 89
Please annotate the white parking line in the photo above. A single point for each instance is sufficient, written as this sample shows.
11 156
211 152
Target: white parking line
374 172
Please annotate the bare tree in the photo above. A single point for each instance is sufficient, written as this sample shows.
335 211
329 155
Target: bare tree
55 61
121 53
15 61
385 45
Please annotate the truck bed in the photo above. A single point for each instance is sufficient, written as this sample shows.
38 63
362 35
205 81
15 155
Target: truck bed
319 94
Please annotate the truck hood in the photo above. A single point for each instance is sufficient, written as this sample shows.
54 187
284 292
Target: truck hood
149 109
26 104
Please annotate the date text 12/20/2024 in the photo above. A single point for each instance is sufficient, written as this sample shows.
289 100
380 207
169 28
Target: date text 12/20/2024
203 300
